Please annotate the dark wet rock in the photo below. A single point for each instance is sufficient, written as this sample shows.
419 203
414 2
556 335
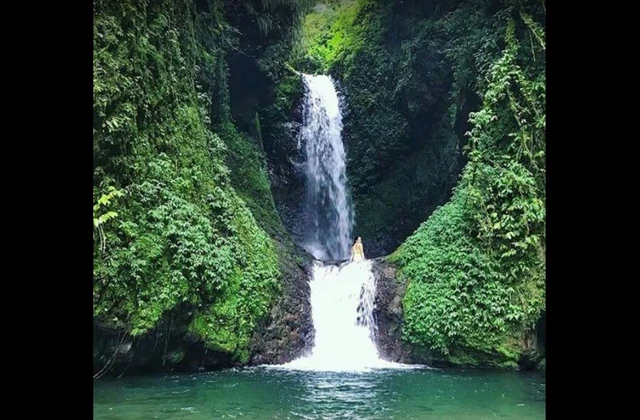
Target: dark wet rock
388 313
167 347
288 331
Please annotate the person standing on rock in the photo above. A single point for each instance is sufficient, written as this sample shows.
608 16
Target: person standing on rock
357 251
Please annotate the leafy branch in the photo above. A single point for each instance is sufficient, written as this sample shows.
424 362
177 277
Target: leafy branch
101 214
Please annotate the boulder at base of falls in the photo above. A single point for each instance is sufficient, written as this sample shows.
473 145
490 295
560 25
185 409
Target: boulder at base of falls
388 313
288 331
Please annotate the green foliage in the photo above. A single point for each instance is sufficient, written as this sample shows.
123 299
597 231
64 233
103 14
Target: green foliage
229 323
287 92
329 33
246 162
476 266
171 249
183 235
101 217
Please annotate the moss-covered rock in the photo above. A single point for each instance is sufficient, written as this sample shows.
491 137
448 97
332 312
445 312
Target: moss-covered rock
522 351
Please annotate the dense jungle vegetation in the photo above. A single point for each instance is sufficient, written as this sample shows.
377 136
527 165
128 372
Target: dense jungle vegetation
445 137
184 218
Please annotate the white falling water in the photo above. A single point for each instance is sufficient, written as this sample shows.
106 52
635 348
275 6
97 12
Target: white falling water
342 303
329 221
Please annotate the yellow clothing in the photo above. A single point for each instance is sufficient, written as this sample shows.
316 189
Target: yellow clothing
357 252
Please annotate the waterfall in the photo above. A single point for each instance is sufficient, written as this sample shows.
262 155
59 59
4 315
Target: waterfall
328 213
342 296
342 303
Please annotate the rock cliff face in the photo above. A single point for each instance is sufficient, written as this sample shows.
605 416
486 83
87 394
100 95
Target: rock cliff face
288 332
281 131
